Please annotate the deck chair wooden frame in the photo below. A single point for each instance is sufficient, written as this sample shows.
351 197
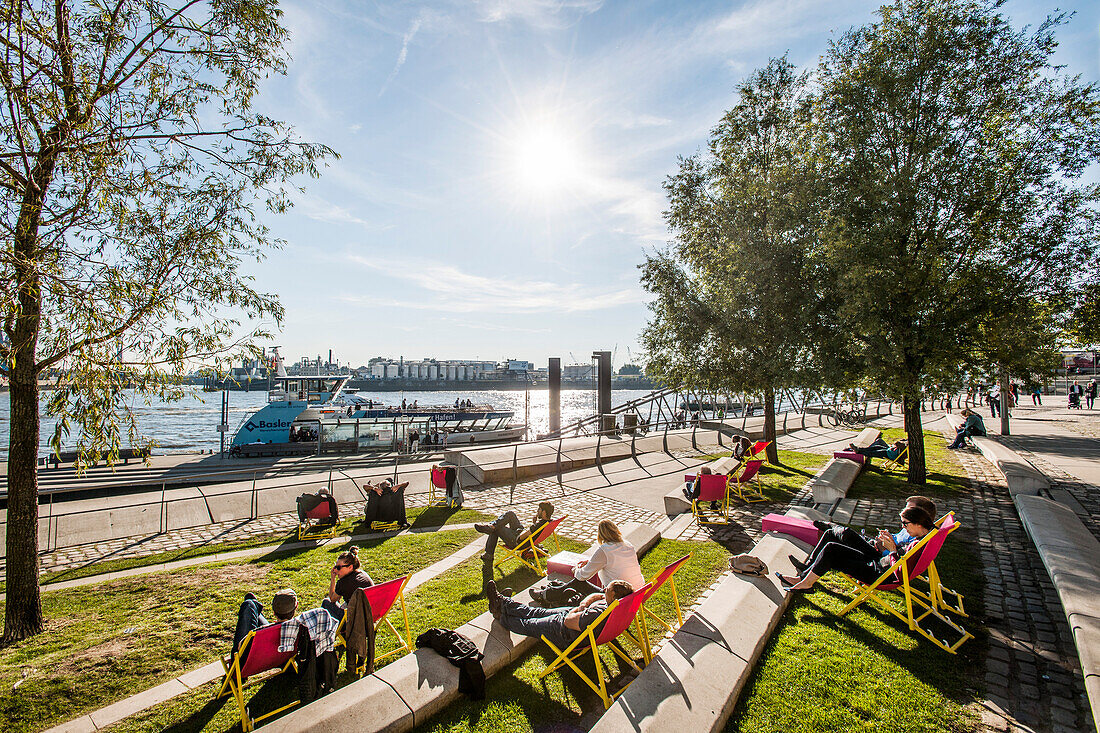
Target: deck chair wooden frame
745 482
437 488
899 576
531 544
377 526
894 464
945 598
616 620
262 645
665 576
312 527
713 487
381 599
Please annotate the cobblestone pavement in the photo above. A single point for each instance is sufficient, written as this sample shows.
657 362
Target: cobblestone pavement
1032 675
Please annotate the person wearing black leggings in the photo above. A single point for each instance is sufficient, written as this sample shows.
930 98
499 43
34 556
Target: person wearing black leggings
849 552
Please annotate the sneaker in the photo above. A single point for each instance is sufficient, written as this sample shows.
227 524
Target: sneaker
538 594
822 526
484 528
505 592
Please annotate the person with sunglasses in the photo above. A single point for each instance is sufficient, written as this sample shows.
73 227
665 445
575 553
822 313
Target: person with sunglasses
347 578
854 555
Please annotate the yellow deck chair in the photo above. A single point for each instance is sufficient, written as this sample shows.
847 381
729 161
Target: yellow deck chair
713 487
745 484
260 653
531 545
895 464
665 576
914 563
616 619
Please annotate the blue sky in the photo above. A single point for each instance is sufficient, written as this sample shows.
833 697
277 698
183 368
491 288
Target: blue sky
502 161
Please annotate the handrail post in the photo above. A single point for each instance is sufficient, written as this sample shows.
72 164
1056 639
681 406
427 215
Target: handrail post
599 461
255 498
515 475
664 444
694 427
163 510
558 460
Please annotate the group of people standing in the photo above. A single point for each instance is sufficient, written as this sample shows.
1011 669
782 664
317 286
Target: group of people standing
1077 392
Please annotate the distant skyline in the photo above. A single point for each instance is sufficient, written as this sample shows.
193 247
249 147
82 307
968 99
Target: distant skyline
502 161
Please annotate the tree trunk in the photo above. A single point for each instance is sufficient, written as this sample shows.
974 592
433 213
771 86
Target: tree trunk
914 431
769 425
1006 400
23 609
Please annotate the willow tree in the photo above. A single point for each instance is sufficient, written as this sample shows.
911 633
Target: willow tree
734 289
955 151
131 166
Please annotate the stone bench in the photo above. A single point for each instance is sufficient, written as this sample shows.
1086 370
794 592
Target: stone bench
1021 476
694 682
1071 554
833 481
408 691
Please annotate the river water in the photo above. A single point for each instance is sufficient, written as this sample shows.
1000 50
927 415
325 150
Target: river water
190 424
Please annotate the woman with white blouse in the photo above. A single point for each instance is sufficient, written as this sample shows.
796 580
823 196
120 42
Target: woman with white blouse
614 559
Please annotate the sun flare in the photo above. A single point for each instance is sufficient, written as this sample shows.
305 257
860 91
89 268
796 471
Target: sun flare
546 161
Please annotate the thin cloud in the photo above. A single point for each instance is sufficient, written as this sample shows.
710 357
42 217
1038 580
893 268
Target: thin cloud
404 54
544 14
463 292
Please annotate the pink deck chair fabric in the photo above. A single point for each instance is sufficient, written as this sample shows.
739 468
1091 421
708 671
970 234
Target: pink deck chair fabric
381 597
263 652
748 473
663 576
622 615
439 478
712 486
320 511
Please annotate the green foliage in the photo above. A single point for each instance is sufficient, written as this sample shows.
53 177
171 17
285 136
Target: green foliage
954 149
130 165
732 302
1083 325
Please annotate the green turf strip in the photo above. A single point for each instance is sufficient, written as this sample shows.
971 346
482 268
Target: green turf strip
419 517
109 640
867 671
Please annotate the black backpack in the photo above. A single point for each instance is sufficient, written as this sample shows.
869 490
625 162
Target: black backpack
462 653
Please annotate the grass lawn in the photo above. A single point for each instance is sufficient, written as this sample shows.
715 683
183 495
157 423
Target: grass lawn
866 671
516 700
419 517
109 640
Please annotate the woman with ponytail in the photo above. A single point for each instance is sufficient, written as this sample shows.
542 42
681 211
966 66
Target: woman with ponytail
347 578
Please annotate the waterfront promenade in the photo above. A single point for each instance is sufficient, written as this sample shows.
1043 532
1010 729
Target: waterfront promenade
1031 672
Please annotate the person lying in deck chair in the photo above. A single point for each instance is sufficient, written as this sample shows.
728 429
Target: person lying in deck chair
880 449
386 503
561 626
250 617
856 556
507 527
974 425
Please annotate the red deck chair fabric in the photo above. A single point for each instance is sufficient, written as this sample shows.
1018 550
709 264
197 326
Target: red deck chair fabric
712 487
260 650
758 447
314 526
381 598
437 487
741 484
531 545
611 623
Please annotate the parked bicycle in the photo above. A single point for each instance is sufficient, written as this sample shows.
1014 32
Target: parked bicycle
840 417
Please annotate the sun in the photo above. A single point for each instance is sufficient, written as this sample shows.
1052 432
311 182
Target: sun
546 161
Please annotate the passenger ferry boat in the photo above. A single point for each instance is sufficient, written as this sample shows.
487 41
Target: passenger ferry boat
300 410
